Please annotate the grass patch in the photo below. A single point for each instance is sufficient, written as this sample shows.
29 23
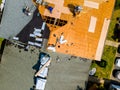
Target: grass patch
112 24
116 13
1 39
117 4
0 1
109 57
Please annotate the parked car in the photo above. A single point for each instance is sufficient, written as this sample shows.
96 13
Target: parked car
114 87
92 71
118 50
117 61
117 75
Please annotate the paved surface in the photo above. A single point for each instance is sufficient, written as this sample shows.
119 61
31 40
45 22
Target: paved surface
111 43
13 19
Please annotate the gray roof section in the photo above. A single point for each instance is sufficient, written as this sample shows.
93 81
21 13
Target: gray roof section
13 19
69 73
16 71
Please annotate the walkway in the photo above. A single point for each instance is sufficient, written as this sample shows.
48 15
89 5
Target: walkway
111 43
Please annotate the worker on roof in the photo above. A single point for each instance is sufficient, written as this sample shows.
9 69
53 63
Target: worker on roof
50 8
26 11
77 10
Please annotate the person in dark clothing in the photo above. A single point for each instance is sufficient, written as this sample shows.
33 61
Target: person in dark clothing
26 11
50 8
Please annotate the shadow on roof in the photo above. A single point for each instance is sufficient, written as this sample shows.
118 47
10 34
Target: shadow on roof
36 22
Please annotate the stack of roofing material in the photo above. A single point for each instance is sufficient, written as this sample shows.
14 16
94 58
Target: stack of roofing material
36 34
51 48
31 43
43 26
20 45
92 25
62 41
27 47
38 44
37 30
32 35
38 39
15 38
91 4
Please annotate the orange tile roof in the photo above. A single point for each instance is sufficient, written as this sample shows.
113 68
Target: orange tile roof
80 42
